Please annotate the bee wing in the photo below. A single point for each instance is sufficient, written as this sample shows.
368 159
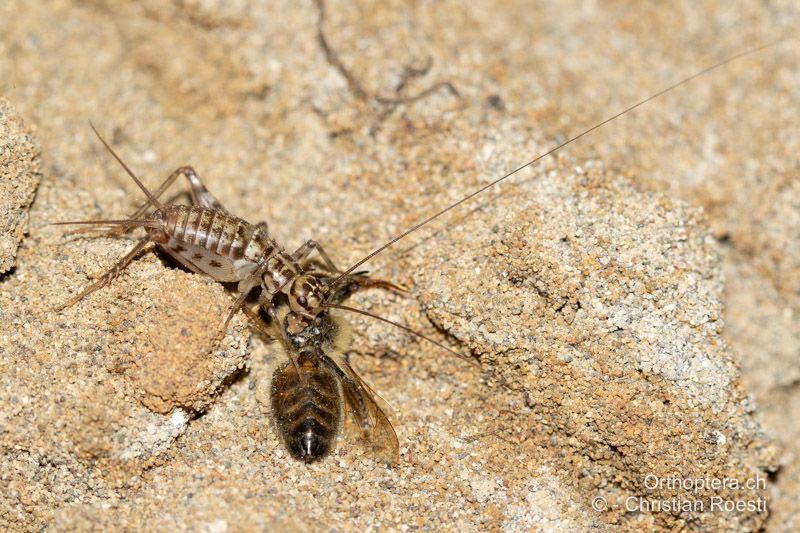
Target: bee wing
365 420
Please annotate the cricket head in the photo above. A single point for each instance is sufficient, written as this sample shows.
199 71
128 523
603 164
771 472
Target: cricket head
306 299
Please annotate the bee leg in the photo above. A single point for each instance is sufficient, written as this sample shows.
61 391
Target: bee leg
363 281
357 282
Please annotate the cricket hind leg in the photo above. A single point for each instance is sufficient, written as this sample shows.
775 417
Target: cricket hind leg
106 278
199 192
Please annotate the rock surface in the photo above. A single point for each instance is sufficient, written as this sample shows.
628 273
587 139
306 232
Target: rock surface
602 308
591 290
20 173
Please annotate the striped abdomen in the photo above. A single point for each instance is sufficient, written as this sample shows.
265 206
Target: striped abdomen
307 407
213 242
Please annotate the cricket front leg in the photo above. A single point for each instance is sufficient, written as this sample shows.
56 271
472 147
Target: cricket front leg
258 323
359 281
284 335
237 304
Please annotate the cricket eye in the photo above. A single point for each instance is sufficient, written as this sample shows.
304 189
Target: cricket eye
302 300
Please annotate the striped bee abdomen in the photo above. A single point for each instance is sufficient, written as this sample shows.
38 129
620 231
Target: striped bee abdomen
307 407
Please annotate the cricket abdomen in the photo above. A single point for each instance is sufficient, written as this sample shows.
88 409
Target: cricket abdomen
212 242
307 408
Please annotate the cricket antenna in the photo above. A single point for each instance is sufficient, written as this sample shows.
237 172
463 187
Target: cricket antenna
405 328
153 200
131 223
585 132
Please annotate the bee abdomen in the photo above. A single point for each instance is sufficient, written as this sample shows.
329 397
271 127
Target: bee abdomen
307 411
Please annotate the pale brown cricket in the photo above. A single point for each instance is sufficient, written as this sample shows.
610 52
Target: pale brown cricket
208 240
317 393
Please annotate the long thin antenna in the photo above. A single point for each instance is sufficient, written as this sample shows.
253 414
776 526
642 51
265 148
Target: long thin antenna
144 223
436 215
405 328
145 190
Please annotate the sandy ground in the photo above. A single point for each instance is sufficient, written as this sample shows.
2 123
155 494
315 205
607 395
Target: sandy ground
634 302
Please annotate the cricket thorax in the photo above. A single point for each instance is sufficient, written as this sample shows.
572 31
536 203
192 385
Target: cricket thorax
279 271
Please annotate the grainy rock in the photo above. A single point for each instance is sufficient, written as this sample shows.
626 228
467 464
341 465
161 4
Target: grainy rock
587 383
20 174
84 390
602 306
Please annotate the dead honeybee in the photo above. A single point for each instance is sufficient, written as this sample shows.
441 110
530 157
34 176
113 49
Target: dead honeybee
321 396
